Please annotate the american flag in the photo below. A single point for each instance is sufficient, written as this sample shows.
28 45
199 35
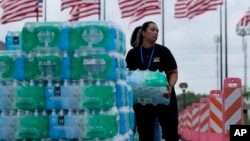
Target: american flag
17 10
199 7
181 9
192 8
81 8
244 21
138 9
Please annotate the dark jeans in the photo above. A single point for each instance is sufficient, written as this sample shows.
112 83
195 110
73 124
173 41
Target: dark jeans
167 115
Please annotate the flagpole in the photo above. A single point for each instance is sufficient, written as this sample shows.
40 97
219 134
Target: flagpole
37 5
221 49
226 65
163 25
104 10
45 11
244 45
99 17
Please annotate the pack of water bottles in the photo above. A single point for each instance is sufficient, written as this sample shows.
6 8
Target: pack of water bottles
101 36
148 86
105 36
37 36
98 65
34 66
21 124
75 73
74 124
87 95
23 95
12 65
47 66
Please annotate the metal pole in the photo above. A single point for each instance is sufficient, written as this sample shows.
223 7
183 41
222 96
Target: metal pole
217 41
104 10
163 26
226 64
37 17
184 102
245 63
99 15
217 62
45 10
221 50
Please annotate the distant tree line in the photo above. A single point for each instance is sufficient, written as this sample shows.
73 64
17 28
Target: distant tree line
190 98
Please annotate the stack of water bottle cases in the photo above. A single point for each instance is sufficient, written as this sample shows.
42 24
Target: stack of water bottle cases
65 81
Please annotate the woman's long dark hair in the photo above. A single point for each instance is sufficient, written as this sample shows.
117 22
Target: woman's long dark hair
136 38
133 39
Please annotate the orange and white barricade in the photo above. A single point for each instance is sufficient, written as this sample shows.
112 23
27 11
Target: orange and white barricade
215 116
204 119
184 123
180 124
195 121
188 123
232 105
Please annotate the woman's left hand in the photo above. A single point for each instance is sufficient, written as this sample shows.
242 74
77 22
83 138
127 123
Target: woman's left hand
168 93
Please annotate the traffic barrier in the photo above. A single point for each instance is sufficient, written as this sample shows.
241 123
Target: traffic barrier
184 125
195 121
215 116
204 119
180 125
232 105
188 135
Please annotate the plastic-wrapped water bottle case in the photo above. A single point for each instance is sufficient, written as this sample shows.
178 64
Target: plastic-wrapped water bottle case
148 86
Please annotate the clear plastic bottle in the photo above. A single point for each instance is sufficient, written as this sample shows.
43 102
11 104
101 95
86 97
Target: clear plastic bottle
49 93
19 72
124 120
56 128
7 131
73 125
121 93
98 95
69 96
13 40
6 95
29 96
130 96
101 124
32 126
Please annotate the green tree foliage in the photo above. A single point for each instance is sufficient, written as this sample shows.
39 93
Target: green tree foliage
246 94
190 98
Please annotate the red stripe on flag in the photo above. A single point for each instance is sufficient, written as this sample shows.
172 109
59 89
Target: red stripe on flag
16 10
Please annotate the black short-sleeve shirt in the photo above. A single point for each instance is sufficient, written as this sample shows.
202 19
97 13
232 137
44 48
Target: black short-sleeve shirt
162 59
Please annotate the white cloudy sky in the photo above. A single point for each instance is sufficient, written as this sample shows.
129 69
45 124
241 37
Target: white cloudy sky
191 41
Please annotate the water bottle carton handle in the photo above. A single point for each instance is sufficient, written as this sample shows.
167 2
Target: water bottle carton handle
76 70
31 69
55 59
29 42
53 29
77 32
107 60
10 61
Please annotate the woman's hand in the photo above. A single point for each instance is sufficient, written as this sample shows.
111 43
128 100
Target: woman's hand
168 93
